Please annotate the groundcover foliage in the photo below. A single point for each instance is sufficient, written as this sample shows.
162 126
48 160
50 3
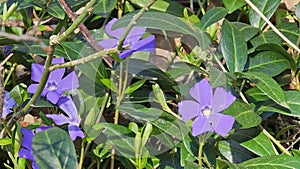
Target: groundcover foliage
149 84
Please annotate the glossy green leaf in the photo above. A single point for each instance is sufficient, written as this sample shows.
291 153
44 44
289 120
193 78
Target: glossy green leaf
55 10
19 93
165 21
267 7
256 94
297 12
121 137
53 148
254 140
243 114
274 162
133 87
162 120
290 30
268 86
234 48
192 165
110 84
170 161
104 7
217 77
266 37
277 48
167 6
234 152
268 62
5 141
233 5
247 30
212 16
293 100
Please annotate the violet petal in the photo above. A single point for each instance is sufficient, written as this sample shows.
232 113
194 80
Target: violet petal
117 33
221 100
59 119
201 125
25 153
135 34
36 72
75 131
27 138
108 43
188 109
67 105
56 75
202 92
58 60
224 125
69 82
53 96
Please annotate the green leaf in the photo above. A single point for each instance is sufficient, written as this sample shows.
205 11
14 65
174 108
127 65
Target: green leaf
192 165
162 120
247 31
234 152
217 77
234 48
277 48
104 7
165 6
53 148
290 30
256 94
55 10
243 114
121 137
274 162
212 16
297 12
268 62
165 21
5 141
266 37
293 100
267 7
19 93
268 86
170 161
254 140
233 5
110 84
133 87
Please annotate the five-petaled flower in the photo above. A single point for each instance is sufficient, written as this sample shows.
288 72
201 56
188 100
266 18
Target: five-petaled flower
72 118
206 109
56 85
9 103
26 149
132 39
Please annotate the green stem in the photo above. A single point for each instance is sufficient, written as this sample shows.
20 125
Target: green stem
84 60
79 20
81 155
276 142
200 151
53 41
10 73
132 23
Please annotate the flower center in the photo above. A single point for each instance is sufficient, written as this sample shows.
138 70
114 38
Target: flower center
51 85
206 111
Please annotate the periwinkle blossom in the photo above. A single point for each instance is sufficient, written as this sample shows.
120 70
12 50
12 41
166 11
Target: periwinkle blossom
26 149
9 103
133 39
206 108
72 119
56 85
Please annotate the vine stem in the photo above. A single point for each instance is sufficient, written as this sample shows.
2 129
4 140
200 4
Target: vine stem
54 39
276 142
200 151
272 26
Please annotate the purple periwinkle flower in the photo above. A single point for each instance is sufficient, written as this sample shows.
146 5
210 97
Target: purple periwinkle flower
72 118
26 149
132 39
56 85
206 109
7 49
9 103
